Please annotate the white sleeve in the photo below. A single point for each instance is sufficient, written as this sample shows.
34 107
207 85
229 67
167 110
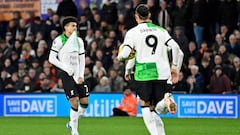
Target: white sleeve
125 53
128 46
177 54
129 66
81 58
56 47
180 59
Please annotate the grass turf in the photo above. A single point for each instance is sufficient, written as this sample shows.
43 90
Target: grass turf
116 126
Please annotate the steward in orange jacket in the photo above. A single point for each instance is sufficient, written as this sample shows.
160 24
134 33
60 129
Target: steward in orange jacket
128 106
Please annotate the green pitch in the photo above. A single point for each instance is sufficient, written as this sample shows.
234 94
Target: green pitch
116 126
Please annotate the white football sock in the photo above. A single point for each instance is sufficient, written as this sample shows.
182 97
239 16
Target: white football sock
159 123
81 110
74 120
149 121
161 107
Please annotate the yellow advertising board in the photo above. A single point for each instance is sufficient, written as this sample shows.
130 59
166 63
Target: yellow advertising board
7 7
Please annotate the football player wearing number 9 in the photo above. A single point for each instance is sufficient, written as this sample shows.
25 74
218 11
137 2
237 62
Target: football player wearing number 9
152 68
68 54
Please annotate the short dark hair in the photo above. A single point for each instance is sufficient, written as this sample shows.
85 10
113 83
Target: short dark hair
67 20
142 10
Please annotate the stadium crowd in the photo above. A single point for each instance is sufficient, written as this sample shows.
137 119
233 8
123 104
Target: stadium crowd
208 32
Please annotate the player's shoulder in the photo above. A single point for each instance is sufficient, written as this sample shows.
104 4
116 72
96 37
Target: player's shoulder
57 40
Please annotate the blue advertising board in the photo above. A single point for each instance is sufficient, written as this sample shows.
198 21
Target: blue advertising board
101 105
209 106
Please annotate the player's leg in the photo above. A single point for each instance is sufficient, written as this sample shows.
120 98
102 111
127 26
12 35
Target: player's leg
159 88
144 91
83 106
83 95
74 115
73 97
166 103
159 123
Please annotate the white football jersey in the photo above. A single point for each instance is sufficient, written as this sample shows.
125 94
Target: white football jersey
68 52
151 58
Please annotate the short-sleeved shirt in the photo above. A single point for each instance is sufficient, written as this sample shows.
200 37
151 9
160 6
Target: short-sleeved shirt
151 58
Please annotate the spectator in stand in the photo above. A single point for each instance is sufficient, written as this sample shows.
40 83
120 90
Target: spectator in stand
8 66
14 59
219 83
236 82
12 84
6 52
217 42
128 106
192 86
192 51
50 14
99 75
89 63
163 15
198 77
153 8
199 19
105 28
187 67
33 75
89 37
67 8
103 85
36 66
119 26
27 86
233 47
180 38
96 21
47 85
98 66
98 37
109 11
99 55
30 17
107 53
58 87
53 35
223 52
53 24
224 31
12 27
17 47
118 66
41 55
9 39
203 48
37 26
226 69
181 85
4 76
84 25
91 49
206 72
112 35
116 82
228 14
22 28
89 79
179 16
